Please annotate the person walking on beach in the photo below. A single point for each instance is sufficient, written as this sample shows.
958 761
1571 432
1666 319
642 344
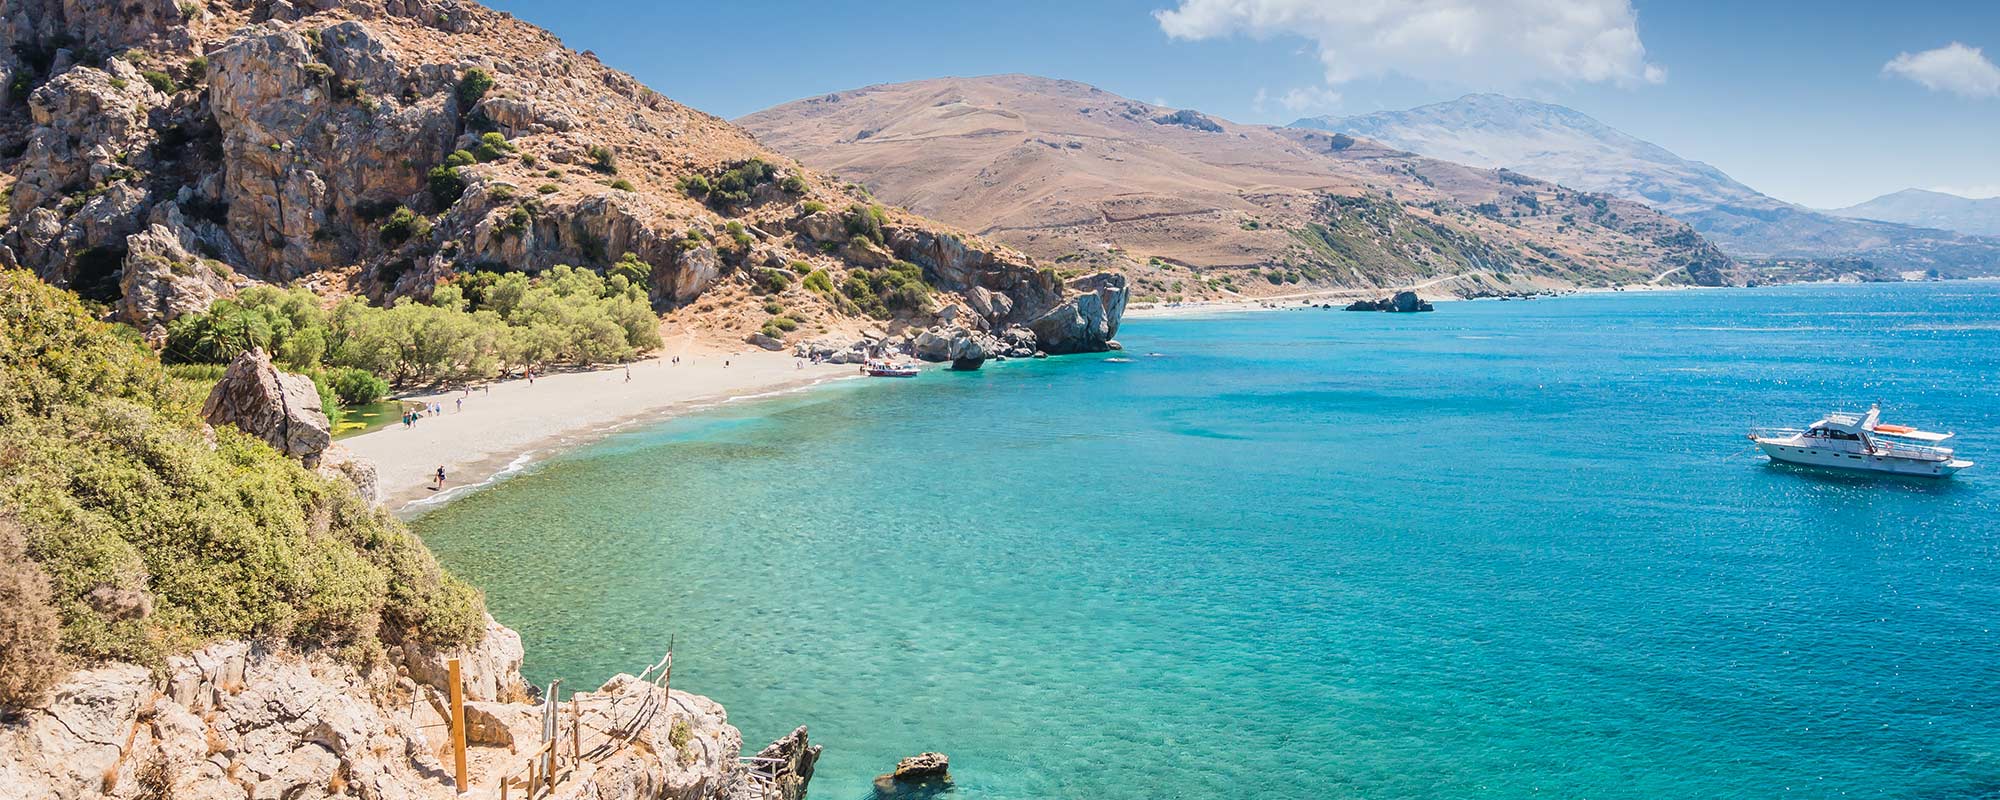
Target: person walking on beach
461 405
440 476
628 373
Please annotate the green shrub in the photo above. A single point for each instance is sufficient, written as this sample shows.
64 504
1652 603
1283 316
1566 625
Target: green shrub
736 184
635 272
357 387
500 193
528 159
866 222
404 225
492 147
793 184
603 159
774 307
197 69
517 220
812 206
161 82
446 184
623 185
548 188
818 282
695 186
881 293
460 158
800 267
776 281
473 85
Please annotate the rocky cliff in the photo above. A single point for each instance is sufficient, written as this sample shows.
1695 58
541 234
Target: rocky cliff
237 720
160 155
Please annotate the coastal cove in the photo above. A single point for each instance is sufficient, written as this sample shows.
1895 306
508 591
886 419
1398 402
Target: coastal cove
1499 549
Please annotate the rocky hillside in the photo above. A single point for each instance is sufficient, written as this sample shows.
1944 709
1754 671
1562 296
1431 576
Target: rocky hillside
1571 148
161 154
1193 206
1928 209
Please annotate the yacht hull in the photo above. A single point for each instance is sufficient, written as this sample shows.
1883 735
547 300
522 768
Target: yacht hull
1808 455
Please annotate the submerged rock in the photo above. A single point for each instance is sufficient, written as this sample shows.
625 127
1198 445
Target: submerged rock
279 407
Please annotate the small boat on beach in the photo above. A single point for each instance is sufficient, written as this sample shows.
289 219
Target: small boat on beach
885 369
1846 440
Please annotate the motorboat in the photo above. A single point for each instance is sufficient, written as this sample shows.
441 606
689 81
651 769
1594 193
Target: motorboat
1847 440
886 369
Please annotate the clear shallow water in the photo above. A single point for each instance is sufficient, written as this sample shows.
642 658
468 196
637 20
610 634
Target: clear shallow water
1499 550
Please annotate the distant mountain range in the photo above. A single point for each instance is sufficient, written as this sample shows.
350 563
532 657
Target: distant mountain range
1571 148
1191 205
1929 209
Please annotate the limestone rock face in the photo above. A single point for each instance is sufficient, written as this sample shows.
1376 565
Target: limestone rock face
280 408
1087 321
84 120
339 462
163 282
491 669
299 160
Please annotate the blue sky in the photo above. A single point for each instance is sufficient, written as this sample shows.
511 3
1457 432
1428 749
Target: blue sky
1791 98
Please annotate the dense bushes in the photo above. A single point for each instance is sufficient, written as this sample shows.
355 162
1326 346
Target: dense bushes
30 631
472 86
865 222
880 293
356 387
155 536
484 325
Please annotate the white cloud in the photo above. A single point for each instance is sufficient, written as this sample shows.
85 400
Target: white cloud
1953 68
1485 42
1298 100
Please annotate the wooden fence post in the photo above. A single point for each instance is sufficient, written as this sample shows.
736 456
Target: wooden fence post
458 727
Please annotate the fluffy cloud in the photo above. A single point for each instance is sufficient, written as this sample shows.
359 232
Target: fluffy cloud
1952 68
1485 42
1300 100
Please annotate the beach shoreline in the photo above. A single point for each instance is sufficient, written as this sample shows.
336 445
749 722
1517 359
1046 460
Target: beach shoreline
489 432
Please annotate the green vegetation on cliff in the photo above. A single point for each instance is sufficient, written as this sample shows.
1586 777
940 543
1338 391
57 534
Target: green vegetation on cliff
129 531
482 325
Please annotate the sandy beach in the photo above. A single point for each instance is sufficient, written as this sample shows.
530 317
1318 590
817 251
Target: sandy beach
500 426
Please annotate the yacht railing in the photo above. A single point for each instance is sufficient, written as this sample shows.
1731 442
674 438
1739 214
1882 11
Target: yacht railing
1878 445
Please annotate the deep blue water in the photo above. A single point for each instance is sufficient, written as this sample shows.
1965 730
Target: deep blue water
1500 550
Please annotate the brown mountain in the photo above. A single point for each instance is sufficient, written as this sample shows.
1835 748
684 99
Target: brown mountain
161 155
1194 205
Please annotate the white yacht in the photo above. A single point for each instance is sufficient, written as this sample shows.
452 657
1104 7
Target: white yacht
1861 441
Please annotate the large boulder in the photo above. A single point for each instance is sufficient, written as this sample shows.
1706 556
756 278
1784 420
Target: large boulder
279 407
1088 320
163 282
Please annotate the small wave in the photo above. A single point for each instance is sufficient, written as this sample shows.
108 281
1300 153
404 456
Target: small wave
515 467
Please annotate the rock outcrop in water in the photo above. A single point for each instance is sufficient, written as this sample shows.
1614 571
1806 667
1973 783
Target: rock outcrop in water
919 777
1402 302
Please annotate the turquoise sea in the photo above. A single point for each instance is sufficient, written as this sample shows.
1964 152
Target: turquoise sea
1502 550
